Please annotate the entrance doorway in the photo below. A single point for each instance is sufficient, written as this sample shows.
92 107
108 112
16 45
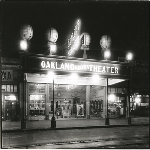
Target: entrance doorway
10 111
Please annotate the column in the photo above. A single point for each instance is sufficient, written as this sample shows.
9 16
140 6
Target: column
23 120
47 103
88 101
128 103
105 104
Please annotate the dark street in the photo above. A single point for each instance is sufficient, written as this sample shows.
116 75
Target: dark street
117 137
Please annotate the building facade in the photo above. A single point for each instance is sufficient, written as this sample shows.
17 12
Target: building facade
10 77
81 87
77 88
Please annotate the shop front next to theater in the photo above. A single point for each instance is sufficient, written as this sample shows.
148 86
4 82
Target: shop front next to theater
73 88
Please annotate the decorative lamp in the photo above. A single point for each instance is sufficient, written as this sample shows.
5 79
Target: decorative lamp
26 32
86 39
52 35
105 42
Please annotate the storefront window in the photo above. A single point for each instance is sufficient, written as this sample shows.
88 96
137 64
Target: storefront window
116 106
96 107
9 88
37 105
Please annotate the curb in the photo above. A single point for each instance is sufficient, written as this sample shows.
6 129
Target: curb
70 128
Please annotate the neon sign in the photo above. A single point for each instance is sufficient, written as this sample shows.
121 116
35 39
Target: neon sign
79 67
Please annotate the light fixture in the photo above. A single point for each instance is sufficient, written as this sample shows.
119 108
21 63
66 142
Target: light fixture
129 56
51 74
26 32
74 76
107 54
53 48
74 40
105 42
111 98
95 77
52 36
137 99
23 45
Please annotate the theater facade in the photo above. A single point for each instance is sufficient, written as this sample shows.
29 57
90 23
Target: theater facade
73 88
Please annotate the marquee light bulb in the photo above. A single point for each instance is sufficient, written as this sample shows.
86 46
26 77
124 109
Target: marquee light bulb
23 45
107 54
74 76
95 77
51 74
129 56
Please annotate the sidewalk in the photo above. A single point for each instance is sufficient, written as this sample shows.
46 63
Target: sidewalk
73 123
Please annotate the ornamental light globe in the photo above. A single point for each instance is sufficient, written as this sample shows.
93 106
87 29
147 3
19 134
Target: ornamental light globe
26 32
52 35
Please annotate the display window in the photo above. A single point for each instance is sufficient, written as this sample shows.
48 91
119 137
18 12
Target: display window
37 105
96 108
116 106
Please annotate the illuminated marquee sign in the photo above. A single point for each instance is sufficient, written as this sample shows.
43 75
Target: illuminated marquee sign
40 63
79 67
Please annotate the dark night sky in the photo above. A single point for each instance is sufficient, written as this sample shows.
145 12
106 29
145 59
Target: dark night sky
127 23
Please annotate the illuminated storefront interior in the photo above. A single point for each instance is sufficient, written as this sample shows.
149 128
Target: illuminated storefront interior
68 98
80 88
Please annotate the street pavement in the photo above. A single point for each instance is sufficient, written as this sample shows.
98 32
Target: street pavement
72 123
79 138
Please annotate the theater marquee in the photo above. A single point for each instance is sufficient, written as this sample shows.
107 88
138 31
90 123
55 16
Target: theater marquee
35 63
72 66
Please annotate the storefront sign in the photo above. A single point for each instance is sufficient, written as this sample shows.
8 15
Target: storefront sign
7 75
77 65
10 97
71 66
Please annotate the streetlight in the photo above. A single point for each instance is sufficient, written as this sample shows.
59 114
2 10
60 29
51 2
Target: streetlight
53 121
128 58
26 34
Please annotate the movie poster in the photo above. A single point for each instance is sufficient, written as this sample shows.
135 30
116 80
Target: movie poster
80 110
